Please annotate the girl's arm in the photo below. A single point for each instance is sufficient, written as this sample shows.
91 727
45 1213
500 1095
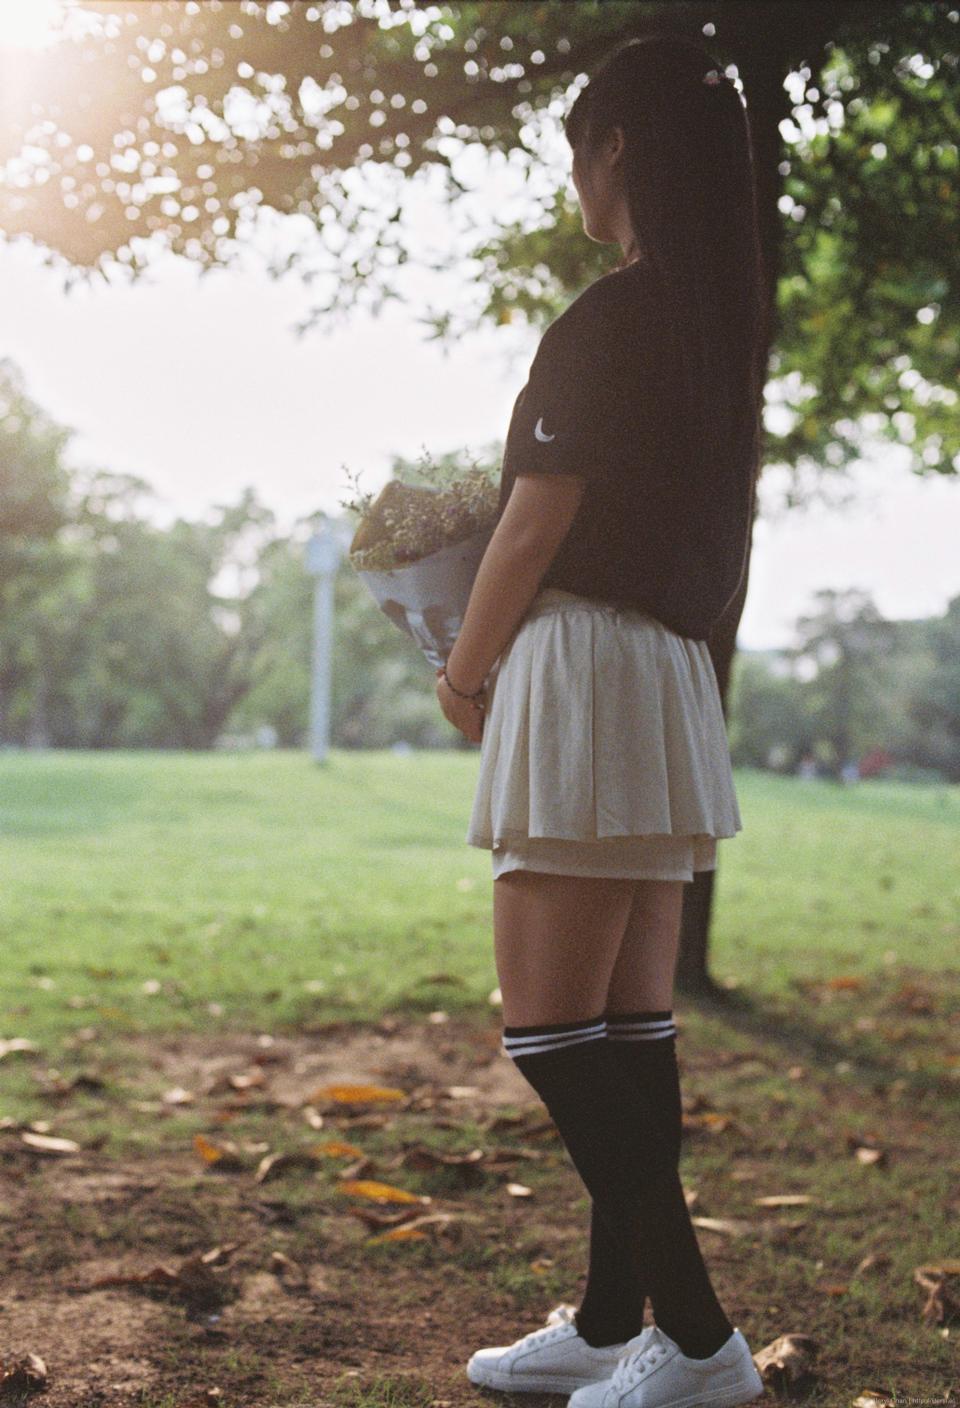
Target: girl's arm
534 523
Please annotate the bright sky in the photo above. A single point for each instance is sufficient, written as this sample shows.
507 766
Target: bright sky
201 388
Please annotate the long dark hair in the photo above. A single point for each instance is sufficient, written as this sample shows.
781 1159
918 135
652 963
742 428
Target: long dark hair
688 179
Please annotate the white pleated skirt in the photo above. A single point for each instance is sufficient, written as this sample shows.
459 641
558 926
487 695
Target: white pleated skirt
604 748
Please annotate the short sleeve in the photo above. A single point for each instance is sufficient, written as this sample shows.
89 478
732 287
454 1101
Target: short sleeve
565 419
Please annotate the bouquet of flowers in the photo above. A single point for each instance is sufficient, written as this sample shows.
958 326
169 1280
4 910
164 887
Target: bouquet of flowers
418 548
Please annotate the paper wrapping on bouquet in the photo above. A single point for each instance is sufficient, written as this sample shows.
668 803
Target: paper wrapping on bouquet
428 598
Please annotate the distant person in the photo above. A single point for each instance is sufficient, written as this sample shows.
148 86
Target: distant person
582 668
807 766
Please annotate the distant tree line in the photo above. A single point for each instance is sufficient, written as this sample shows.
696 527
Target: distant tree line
118 633
852 685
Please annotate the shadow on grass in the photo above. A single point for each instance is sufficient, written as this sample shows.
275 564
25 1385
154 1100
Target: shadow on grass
823 1042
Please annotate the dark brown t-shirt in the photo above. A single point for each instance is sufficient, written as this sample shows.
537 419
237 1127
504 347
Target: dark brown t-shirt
654 530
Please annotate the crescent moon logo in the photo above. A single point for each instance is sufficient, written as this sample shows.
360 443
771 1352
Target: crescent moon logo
538 431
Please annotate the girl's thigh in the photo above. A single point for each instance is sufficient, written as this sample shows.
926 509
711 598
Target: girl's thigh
643 974
556 943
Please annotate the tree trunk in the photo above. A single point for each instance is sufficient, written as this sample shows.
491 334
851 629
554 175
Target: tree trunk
692 975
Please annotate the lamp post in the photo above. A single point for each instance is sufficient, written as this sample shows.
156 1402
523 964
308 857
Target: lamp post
323 555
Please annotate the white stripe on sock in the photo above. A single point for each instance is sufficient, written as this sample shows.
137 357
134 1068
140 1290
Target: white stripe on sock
640 1036
550 1041
550 1046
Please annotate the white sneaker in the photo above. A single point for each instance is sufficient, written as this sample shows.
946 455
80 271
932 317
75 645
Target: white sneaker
556 1359
653 1373
595 1395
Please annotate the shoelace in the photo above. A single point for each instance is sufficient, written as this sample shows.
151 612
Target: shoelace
550 1332
634 1365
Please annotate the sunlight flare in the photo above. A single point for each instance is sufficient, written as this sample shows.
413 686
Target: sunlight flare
29 24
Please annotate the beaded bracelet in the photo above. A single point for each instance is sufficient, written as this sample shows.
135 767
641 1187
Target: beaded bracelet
472 697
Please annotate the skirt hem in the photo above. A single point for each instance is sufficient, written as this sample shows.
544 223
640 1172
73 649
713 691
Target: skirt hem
646 874
507 836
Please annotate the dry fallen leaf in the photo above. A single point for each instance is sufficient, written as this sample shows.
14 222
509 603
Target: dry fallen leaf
865 1154
540 1129
380 1192
786 1364
713 1120
16 1043
729 1226
519 1190
871 1260
25 1375
47 1144
360 1168
197 1284
413 1228
407 1232
221 1156
272 1164
371 1217
355 1094
499 1158
178 1096
337 1148
941 1306
218 1254
420 1156
247 1080
783 1200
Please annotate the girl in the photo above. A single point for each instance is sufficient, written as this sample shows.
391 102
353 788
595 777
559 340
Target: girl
583 670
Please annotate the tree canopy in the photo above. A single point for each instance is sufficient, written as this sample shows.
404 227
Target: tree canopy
182 124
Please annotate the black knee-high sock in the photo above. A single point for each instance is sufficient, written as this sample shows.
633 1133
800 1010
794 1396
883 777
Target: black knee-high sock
611 1309
610 1129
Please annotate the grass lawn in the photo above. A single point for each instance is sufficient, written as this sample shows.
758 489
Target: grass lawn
198 945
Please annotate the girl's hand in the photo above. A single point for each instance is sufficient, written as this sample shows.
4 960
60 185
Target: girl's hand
462 713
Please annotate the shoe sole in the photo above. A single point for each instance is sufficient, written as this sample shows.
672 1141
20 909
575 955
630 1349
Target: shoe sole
719 1398
529 1383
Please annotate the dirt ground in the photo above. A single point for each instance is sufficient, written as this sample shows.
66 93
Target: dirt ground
297 1327
223 1287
